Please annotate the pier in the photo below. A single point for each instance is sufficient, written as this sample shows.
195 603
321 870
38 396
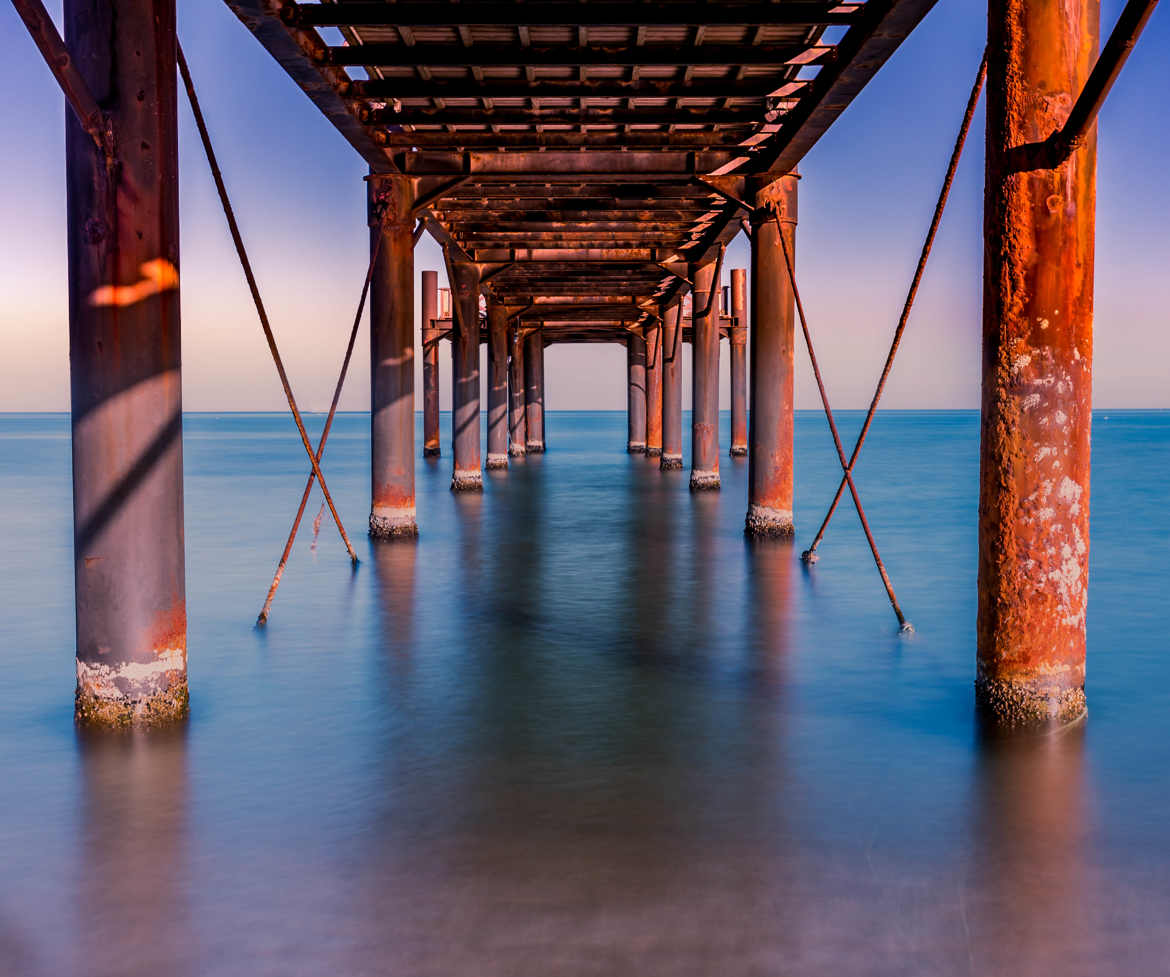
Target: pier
584 167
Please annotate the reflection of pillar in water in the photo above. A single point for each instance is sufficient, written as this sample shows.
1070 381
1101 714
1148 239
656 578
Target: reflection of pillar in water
1024 890
133 855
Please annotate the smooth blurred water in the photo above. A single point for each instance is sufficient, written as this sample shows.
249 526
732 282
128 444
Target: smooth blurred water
582 727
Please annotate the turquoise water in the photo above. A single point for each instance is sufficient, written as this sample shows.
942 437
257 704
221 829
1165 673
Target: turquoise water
583 727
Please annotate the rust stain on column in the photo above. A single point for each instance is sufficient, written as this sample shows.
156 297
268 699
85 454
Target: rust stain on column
497 316
635 394
468 474
653 338
672 353
773 339
124 355
704 380
392 512
739 377
430 355
1037 369
517 425
534 391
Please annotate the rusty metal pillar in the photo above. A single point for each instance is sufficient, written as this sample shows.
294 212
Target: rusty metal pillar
704 378
465 333
497 320
1037 368
392 358
517 426
672 353
534 391
773 339
653 337
124 356
430 357
737 343
635 394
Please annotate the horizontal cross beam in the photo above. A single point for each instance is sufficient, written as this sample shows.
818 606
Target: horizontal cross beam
439 55
557 13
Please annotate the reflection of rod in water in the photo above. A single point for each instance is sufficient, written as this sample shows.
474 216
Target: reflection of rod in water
317 527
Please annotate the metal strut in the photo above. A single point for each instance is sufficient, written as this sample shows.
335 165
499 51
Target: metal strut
234 228
905 625
292 535
810 555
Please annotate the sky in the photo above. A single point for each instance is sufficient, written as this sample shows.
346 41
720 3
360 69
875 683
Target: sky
866 195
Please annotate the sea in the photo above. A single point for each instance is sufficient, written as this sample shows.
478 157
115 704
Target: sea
582 726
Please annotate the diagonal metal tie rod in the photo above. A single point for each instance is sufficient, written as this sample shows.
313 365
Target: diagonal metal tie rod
292 535
234 228
810 555
905 625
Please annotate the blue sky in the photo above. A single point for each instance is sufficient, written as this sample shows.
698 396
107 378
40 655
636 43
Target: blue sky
867 191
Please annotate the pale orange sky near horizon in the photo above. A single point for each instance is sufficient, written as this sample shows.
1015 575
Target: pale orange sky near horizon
867 191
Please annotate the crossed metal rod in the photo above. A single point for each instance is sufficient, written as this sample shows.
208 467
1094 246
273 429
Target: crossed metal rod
234 228
902 622
292 534
810 555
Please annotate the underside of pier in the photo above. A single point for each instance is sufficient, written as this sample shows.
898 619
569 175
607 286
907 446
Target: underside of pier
587 156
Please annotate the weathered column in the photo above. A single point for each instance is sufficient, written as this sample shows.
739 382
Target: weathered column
773 339
467 475
704 379
672 353
1037 368
534 391
123 243
430 354
392 359
653 336
739 376
517 426
635 394
497 316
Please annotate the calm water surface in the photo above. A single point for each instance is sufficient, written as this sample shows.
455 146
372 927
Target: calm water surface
583 728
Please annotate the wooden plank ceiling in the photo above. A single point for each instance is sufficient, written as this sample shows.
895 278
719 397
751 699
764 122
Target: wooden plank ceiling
585 153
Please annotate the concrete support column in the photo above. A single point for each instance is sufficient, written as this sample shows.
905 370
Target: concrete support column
124 358
1037 368
517 425
773 339
672 353
653 337
739 376
704 378
635 393
534 391
392 358
430 354
468 474
497 316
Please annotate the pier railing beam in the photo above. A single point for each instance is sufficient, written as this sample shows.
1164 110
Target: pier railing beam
773 339
635 393
1037 369
124 356
517 422
392 510
467 475
534 391
653 337
497 320
705 378
430 371
672 354
737 345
